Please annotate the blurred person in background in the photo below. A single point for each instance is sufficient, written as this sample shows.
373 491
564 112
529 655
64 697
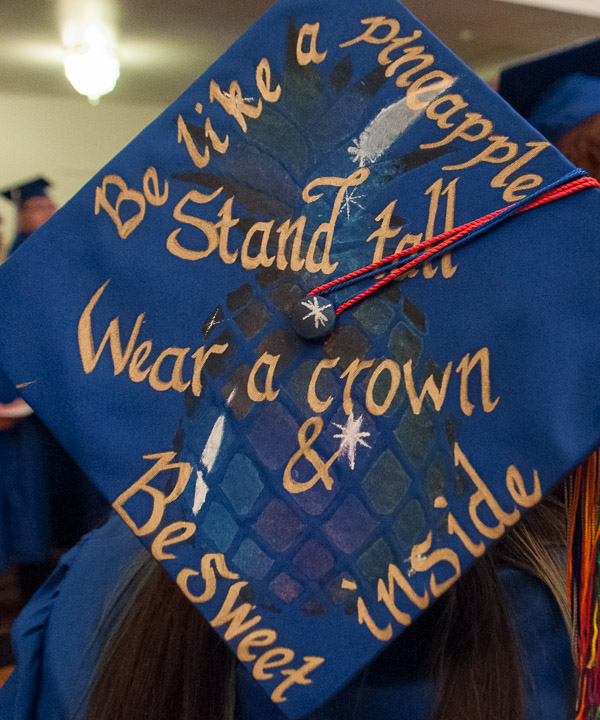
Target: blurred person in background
560 96
46 503
34 207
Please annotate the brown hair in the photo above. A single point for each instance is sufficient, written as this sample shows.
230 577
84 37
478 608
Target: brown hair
582 145
478 669
164 660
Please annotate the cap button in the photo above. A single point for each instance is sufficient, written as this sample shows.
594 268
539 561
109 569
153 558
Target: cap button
313 317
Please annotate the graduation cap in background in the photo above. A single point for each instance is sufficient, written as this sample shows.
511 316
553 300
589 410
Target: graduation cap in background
557 92
346 480
19 194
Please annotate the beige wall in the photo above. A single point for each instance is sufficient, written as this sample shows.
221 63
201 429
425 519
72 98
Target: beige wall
65 139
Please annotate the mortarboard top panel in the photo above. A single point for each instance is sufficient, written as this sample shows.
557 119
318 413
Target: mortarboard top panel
19 194
328 490
526 85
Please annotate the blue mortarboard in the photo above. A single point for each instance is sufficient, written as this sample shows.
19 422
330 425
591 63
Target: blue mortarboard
313 494
557 92
19 194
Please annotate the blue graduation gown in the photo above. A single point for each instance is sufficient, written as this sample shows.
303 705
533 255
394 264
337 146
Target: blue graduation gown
24 502
57 642
45 499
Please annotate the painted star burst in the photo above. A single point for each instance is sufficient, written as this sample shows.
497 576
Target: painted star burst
315 311
351 437
350 199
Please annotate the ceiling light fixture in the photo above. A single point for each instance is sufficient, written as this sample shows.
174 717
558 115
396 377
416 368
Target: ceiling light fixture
92 68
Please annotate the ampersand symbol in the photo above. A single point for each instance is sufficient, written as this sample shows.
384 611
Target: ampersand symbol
315 426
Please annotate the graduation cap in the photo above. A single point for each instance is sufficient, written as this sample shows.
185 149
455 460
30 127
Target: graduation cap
556 92
19 194
314 469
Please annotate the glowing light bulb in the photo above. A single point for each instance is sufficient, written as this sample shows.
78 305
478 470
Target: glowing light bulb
92 69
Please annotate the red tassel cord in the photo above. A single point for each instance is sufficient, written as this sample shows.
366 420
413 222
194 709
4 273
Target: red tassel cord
583 582
583 570
401 263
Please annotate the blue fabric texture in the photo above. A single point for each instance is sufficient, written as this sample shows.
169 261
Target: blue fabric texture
18 241
55 639
565 105
24 489
45 500
57 642
25 525
555 92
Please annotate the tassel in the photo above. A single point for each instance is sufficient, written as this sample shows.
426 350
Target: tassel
583 582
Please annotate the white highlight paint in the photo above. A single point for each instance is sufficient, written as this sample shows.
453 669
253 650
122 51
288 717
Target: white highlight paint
200 493
386 128
351 437
209 457
213 444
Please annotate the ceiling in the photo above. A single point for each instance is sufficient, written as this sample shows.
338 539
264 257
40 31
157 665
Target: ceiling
164 46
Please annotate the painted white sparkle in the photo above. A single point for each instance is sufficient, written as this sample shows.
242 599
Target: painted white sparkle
315 311
351 198
390 123
351 437
236 99
213 321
